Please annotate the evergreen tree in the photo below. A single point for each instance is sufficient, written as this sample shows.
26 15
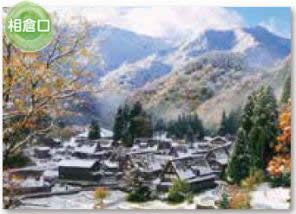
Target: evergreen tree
233 121
257 132
184 124
229 123
118 125
94 130
223 126
264 128
238 167
190 137
286 94
131 122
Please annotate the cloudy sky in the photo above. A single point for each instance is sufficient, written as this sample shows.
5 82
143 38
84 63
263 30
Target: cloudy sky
171 22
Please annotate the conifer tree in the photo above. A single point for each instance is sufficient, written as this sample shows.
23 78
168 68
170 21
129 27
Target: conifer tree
286 94
238 167
94 130
223 126
131 122
257 132
264 129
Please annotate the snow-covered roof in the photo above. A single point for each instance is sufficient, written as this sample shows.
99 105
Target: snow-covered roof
43 148
31 182
77 163
207 138
86 148
146 162
202 178
111 164
105 143
51 173
183 171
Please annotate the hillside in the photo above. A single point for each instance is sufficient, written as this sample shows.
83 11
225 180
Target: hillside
259 48
210 85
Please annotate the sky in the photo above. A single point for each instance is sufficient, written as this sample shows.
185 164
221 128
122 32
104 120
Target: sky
275 19
175 22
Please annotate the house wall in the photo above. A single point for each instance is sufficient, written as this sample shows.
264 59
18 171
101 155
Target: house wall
75 173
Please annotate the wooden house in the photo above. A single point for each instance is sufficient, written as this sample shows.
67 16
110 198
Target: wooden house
149 142
81 170
178 150
91 151
218 158
42 152
145 162
193 169
218 141
31 185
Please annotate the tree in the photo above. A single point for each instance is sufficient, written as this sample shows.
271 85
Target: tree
36 86
94 130
252 149
264 130
131 122
99 195
286 94
186 123
190 137
178 191
118 125
229 123
238 167
224 203
223 126
280 164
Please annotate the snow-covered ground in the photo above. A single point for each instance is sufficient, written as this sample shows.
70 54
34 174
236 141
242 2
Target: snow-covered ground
265 197
115 200
82 200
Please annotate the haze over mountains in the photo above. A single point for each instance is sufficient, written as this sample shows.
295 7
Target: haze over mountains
213 68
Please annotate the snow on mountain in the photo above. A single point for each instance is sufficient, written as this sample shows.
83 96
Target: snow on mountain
261 47
118 47
136 75
131 61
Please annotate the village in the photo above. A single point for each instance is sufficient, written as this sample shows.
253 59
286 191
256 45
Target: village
65 169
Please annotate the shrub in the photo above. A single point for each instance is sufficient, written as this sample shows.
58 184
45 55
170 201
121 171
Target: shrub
140 195
224 203
240 200
100 194
176 197
284 180
178 192
256 177
16 161
190 198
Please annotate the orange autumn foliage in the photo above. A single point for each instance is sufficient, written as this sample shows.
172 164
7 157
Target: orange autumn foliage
281 162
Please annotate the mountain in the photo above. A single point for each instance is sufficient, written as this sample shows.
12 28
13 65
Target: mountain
193 75
260 48
215 82
115 47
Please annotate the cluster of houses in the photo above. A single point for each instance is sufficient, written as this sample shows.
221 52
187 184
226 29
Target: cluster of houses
104 162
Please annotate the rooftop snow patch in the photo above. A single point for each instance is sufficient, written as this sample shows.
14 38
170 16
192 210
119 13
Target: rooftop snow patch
77 163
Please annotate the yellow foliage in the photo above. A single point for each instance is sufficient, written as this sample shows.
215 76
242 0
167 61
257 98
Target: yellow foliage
240 200
252 180
281 162
101 193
